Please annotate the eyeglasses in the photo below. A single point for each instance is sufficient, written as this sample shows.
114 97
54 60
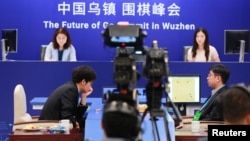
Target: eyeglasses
209 75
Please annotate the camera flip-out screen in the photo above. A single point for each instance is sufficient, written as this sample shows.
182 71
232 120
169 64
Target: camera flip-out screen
123 35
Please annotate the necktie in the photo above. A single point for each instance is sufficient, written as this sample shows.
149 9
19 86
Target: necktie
198 113
205 103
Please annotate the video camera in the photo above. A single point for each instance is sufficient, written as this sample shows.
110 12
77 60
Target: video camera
124 36
125 75
156 70
155 66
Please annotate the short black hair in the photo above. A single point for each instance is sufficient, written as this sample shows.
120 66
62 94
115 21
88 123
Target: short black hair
221 70
83 72
236 103
120 118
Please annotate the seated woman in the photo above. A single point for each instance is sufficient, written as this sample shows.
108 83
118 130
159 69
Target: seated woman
61 48
201 50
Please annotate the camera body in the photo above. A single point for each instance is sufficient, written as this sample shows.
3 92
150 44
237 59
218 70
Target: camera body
155 67
125 74
156 70
124 68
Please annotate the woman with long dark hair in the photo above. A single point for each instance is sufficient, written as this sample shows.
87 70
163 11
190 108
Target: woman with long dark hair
202 51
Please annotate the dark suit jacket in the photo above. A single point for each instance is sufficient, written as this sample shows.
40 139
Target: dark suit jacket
63 104
213 110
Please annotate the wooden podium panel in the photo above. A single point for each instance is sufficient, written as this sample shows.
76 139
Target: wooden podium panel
20 135
185 133
187 136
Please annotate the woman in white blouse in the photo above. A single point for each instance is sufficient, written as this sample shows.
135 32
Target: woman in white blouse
202 51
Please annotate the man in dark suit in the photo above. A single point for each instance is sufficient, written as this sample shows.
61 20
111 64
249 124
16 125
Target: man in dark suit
216 79
235 106
63 103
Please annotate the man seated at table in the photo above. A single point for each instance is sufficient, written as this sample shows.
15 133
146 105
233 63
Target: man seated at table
63 102
235 106
211 109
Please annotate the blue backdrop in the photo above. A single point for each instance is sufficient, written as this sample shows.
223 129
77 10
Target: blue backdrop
171 22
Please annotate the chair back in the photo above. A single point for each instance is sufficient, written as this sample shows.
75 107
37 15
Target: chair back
20 105
42 52
185 50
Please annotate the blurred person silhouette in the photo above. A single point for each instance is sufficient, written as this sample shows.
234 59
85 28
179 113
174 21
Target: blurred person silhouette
202 51
236 105
61 48
120 119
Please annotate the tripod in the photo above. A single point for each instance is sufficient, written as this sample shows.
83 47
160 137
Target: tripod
154 95
154 113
